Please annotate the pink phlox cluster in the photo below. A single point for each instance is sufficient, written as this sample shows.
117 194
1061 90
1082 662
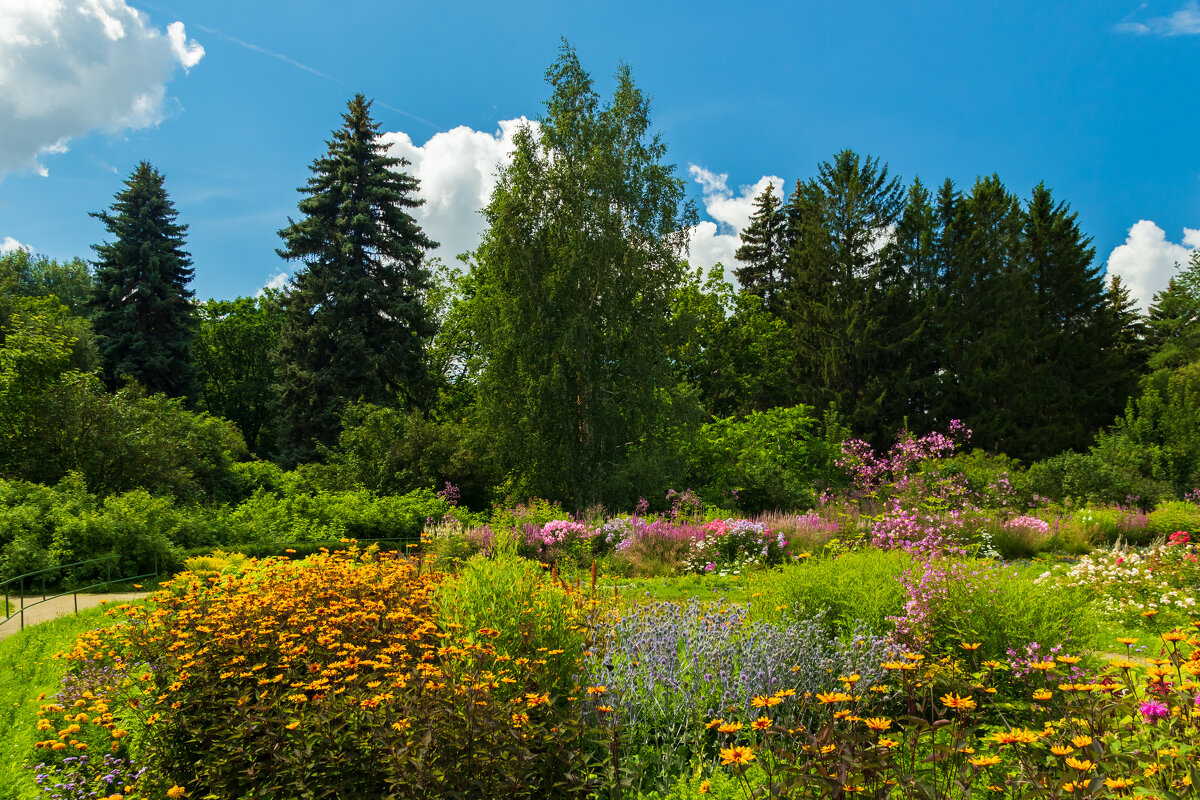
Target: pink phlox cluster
1032 523
716 527
1179 538
559 531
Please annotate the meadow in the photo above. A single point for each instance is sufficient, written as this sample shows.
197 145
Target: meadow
919 635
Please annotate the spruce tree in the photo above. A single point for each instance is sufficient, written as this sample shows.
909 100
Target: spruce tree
764 247
142 307
355 320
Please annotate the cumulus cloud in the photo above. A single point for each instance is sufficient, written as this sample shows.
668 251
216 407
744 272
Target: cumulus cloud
457 170
715 240
9 244
70 67
1147 260
1184 22
279 281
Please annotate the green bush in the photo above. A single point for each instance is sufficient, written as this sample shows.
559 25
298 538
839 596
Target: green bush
1174 516
1094 477
857 586
268 517
768 460
533 615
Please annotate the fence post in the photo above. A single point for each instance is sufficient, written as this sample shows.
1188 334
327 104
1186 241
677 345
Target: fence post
22 603
75 589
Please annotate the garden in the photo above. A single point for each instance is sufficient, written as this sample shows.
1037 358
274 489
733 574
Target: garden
925 632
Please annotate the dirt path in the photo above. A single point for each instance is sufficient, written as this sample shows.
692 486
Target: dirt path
58 607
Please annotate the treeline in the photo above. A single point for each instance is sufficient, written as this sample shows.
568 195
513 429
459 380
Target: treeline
577 357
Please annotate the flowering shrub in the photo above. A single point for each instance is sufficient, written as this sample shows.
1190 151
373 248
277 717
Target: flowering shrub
666 668
336 677
731 546
1155 586
1127 730
925 510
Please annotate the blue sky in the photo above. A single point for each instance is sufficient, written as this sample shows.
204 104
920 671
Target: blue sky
233 100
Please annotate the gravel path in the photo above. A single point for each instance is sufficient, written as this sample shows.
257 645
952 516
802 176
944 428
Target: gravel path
59 606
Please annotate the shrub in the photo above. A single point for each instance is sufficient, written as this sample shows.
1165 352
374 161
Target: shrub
1094 477
1174 516
334 515
332 677
1022 537
766 460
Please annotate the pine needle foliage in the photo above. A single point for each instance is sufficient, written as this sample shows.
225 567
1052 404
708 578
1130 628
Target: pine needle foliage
356 323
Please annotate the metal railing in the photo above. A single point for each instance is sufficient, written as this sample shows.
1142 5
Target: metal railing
73 569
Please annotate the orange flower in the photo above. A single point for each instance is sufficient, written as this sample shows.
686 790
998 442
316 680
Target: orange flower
761 724
878 724
730 727
985 761
970 645
738 754
958 703
704 788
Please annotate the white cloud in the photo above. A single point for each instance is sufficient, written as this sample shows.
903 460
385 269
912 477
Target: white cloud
9 244
1184 22
457 170
716 241
279 281
1147 260
69 67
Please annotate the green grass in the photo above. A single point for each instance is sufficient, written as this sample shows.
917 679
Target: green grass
733 589
28 668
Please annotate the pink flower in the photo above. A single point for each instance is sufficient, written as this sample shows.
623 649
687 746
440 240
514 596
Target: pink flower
1179 537
1153 710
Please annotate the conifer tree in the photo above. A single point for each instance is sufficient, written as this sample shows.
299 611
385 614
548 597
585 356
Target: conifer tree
355 320
141 304
837 292
763 250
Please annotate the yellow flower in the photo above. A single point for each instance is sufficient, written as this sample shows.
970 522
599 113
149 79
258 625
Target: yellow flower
1082 740
1015 736
970 645
712 723
175 791
886 742
1043 694
1125 640
597 689
291 726
985 761
730 727
1118 783
738 754
1062 750
761 724
704 788
1083 765
834 697
958 703
878 724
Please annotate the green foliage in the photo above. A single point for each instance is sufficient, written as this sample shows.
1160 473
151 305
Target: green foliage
856 586
142 309
1173 516
324 516
763 251
568 289
35 373
1104 475
768 460
23 274
391 451
232 351
1159 434
532 615
733 351
356 322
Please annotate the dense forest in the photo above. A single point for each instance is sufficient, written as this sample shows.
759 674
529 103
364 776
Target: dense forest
575 356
